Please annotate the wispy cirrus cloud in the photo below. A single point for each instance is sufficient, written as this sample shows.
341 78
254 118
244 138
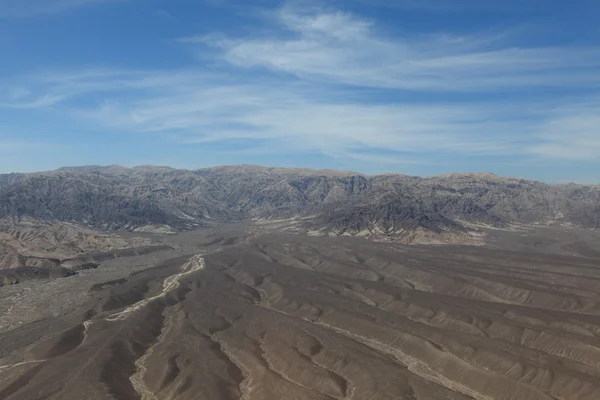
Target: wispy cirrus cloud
573 133
31 8
440 6
339 47
316 102
201 108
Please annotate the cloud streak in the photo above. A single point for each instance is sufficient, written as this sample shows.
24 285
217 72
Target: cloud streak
572 134
208 108
442 6
338 47
317 102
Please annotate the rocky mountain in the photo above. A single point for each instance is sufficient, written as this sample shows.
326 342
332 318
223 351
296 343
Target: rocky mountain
29 246
163 199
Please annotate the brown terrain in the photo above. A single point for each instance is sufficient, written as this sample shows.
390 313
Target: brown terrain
246 312
252 283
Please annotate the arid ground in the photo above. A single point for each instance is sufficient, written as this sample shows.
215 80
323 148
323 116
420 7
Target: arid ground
238 313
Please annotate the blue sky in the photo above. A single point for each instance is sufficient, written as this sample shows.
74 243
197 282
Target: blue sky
420 87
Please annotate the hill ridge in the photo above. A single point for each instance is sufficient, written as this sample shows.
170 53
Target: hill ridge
147 197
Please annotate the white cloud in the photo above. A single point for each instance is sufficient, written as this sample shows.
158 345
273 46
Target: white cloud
275 113
30 8
572 133
49 89
339 47
458 5
198 107
209 108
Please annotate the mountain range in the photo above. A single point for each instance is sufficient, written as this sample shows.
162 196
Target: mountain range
163 199
243 282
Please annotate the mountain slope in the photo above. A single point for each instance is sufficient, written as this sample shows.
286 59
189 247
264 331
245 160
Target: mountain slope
161 198
33 243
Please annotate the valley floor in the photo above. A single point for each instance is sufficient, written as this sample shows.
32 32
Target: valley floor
250 315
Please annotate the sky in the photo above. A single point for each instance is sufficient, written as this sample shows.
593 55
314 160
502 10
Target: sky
419 87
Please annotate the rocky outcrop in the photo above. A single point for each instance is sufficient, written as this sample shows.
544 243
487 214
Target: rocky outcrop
33 243
166 199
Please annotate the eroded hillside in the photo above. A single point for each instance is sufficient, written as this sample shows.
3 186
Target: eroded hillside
160 199
285 316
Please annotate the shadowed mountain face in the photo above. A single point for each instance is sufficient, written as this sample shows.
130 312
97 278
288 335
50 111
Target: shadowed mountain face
165 199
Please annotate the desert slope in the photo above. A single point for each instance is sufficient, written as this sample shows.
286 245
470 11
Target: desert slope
35 249
282 316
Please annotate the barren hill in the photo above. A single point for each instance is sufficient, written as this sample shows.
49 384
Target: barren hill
211 284
161 198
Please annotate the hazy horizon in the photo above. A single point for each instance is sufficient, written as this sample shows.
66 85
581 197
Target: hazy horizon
294 168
